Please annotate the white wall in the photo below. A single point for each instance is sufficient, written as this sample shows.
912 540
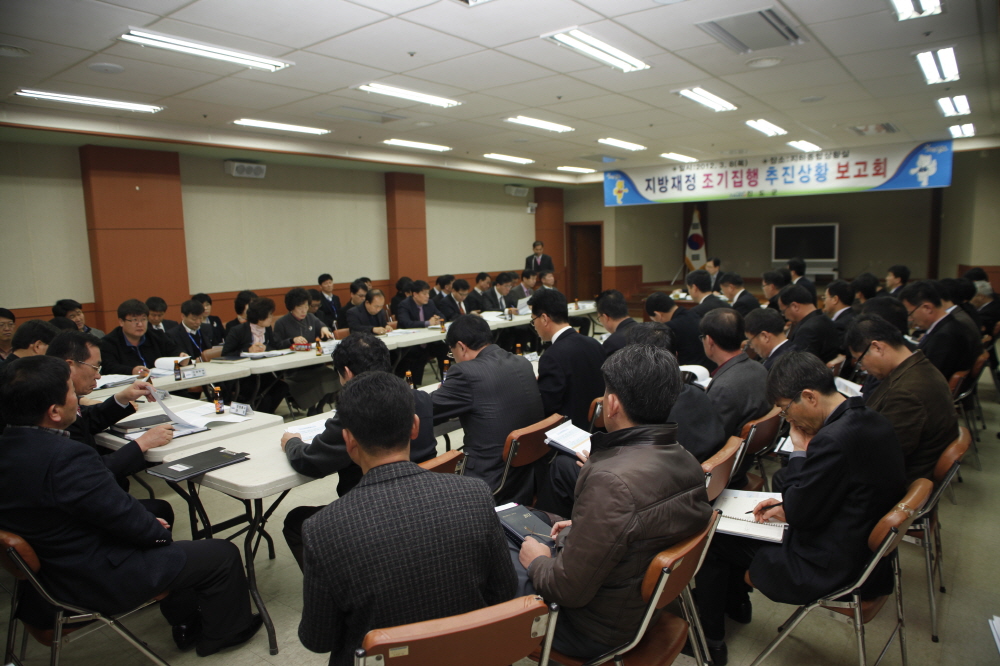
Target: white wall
44 252
474 227
283 230
651 236
587 205
970 233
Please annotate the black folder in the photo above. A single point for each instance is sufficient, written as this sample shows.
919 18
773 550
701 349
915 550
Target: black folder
135 425
519 522
191 466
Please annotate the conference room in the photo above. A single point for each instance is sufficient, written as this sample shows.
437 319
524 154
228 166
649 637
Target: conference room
418 138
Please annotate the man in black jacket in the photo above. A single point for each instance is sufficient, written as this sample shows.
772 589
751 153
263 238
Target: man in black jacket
132 348
453 305
797 267
612 313
742 300
329 306
194 336
538 261
765 332
811 331
98 546
326 454
699 285
845 473
661 308
370 316
946 343
419 311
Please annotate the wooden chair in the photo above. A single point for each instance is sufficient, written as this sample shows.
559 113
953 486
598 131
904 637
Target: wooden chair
719 468
496 635
883 542
926 528
341 333
760 435
527 445
20 560
660 638
452 462
596 414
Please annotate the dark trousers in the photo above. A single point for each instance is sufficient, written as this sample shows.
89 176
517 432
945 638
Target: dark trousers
720 583
292 529
583 323
557 485
212 584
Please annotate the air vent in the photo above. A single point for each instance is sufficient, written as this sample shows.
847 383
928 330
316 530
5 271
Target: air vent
360 115
516 190
602 159
245 169
746 33
873 130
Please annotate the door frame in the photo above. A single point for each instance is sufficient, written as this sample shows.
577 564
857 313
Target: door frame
571 255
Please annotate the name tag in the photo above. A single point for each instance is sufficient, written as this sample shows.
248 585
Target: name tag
240 409
192 373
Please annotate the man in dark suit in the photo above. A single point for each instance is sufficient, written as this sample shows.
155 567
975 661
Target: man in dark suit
132 347
661 308
837 302
797 267
329 307
896 278
453 305
405 545
699 284
946 343
157 311
569 372
442 287
240 304
548 281
714 268
811 330
326 454
404 289
538 261
419 311
474 301
523 290
493 393
370 316
911 393
765 332
31 338
194 336
612 313
741 300
845 473
773 282
98 546
988 306
495 298
865 288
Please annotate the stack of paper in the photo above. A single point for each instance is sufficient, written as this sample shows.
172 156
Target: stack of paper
307 431
267 354
848 388
702 376
108 381
403 331
569 439
167 363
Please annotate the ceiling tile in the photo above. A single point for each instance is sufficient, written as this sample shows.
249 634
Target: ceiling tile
249 94
838 94
45 60
394 7
548 90
811 11
902 61
83 24
544 52
638 120
623 39
139 76
158 7
612 8
789 77
663 69
316 73
719 60
195 112
482 70
596 107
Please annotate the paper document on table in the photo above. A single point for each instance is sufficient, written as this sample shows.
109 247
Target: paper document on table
167 362
734 505
204 414
107 381
307 431
785 445
157 372
267 354
522 306
569 439
403 331
587 304
848 388
494 316
181 426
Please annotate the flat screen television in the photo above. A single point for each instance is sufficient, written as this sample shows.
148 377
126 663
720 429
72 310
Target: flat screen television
812 242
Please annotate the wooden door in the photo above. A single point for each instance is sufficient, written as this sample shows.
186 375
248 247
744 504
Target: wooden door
586 257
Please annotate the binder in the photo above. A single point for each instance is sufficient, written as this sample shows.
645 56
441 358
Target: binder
518 523
136 425
197 464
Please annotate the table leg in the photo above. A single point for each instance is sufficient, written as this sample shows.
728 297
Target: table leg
196 511
248 550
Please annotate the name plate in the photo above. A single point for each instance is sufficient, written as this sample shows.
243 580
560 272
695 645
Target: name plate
533 356
240 409
192 373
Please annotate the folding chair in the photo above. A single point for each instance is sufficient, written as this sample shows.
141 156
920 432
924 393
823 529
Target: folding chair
967 401
452 462
883 541
719 468
496 635
760 435
596 414
660 638
926 528
341 333
527 445
960 385
20 560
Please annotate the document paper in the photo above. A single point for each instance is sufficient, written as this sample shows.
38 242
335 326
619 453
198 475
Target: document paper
734 505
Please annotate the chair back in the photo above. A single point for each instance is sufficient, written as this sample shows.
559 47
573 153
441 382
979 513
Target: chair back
493 636
10 541
719 468
341 333
761 433
895 523
680 562
527 445
596 413
952 455
955 383
452 462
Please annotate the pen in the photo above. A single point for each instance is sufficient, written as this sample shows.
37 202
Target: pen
766 508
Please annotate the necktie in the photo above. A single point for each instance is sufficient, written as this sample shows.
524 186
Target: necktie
420 309
461 307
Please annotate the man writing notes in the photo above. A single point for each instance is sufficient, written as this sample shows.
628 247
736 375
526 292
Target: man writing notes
845 473
309 387
405 545
370 316
538 261
419 311
639 493
132 348
453 304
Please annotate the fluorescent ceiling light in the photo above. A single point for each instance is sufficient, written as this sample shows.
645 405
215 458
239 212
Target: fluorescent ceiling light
677 157
575 169
423 98
161 41
804 146
89 101
767 128
594 48
955 106
912 9
508 158
939 66
959 131
706 98
416 144
540 124
280 126
621 144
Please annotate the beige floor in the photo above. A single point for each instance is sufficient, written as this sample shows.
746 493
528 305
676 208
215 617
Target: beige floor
970 536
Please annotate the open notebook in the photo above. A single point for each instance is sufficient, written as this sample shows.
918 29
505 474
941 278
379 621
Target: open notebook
735 504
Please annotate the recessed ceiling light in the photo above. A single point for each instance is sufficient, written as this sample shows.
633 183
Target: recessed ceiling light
804 146
761 63
706 98
939 66
912 9
594 48
9 51
575 169
677 157
960 131
540 124
105 68
416 144
159 40
621 144
508 158
412 95
955 106
265 124
767 128
89 101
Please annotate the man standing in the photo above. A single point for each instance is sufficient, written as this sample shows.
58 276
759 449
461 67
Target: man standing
699 285
765 332
7 320
329 308
811 330
538 261
612 313
131 349
742 300
364 568
687 338
639 493
946 343
738 384
797 267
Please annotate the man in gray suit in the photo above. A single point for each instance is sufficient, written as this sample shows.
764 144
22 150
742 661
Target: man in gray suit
493 392
738 385
406 545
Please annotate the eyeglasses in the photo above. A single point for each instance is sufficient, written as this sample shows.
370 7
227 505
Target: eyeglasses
858 360
6 324
784 412
97 368
909 315
143 320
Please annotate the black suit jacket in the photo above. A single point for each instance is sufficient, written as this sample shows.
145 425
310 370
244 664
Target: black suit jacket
93 419
474 301
329 311
951 347
690 351
406 545
817 334
710 303
808 284
449 308
850 476
240 339
119 359
409 315
717 282
776 354
746 303
493 301
543 264
616 340
699 429
492 395
218 329
517 293
359 321
192 345
569 376
326 454
738 391
98 546
989 314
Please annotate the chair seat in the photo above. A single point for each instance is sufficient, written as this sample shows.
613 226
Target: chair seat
755 483
660 646
869 608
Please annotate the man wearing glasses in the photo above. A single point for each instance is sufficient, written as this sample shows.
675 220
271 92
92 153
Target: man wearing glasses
7 320
132 349
946 343
765 331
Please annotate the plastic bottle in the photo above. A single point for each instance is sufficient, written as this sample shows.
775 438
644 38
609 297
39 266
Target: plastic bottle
319 348
409 379
220 407
177 371
444 374
517 349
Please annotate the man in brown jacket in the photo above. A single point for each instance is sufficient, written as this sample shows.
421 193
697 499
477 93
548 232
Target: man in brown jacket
912 393
639 493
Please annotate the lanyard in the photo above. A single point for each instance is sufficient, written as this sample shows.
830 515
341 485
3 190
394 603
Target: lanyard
136 348
197 346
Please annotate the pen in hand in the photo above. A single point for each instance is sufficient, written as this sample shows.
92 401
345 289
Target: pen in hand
769 506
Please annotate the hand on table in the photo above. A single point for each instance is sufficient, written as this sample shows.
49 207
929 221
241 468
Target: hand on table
140 370
287 436
299 340
155 437
135 391
257 348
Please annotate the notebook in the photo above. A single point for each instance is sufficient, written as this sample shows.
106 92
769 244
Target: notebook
568 439
199 463
229 359
519 522
135 425
735 504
